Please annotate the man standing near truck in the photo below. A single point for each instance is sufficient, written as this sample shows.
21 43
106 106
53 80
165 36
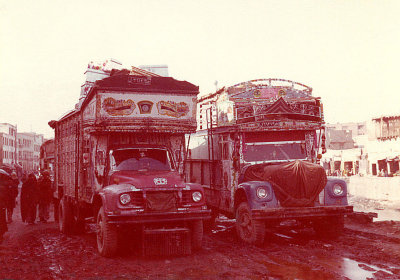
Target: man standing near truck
44 186
12 195
4 180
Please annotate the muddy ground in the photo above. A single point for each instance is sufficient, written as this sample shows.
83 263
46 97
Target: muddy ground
364 251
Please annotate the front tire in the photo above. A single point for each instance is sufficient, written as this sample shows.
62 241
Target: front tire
107 236
249 230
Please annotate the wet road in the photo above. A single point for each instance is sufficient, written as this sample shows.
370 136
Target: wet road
364 251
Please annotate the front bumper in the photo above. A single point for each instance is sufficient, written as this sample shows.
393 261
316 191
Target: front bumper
300 212
140 217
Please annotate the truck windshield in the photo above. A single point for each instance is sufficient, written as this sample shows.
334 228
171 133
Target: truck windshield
274 151
140 160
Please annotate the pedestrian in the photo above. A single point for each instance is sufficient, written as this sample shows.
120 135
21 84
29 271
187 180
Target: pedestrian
12 195
386 173
44 188
29 199
4 181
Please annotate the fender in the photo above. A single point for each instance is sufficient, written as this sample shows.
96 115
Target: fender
110 195
335 198
250 190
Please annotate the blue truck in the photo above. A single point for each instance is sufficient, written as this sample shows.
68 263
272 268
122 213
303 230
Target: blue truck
256 153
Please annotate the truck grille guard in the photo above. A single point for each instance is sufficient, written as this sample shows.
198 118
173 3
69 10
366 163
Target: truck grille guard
140 199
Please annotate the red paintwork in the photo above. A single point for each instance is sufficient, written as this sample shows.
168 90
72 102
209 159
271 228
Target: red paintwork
122 182
145 179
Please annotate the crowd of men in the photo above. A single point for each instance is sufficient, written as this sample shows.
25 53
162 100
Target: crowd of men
35 198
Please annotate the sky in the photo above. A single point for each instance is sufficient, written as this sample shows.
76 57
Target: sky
348 51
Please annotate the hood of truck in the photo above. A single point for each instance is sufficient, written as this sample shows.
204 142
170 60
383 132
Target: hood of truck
296 183
147 179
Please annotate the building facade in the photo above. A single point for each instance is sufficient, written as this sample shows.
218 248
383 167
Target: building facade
339 139
8 144
369 148
29 150
47 155
356 129
387 128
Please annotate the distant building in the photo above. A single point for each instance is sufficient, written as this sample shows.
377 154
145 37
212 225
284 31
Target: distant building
8 145
47 155
355 128
339 139
387 127
340 136
29 150
368 148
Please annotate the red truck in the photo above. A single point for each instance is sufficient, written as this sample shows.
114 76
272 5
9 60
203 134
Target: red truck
118 159
256 154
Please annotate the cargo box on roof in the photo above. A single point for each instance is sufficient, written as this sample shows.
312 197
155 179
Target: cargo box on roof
140 103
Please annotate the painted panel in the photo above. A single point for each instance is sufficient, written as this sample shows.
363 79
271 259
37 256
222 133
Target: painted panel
145 105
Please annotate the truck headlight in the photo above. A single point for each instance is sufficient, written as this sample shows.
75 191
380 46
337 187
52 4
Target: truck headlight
197 196
262 192
337 189
125 198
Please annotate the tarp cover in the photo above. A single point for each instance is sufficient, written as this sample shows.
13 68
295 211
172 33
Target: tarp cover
296 184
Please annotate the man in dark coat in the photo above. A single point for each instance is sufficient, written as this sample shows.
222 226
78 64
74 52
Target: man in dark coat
4 181
44 186
29 194
12 195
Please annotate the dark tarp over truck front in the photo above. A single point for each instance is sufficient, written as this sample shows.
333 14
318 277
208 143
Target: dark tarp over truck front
296 184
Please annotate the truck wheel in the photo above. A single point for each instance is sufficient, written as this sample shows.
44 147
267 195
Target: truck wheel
107 237
249 230
65 217
329 227
197 234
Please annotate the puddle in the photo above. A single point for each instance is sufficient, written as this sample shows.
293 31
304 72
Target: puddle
344 267
284 236
286 270
352 269
356 270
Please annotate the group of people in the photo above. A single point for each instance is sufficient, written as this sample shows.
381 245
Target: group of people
8 195
36 194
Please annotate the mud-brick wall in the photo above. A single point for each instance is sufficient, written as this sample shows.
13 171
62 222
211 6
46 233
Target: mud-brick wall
382 188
